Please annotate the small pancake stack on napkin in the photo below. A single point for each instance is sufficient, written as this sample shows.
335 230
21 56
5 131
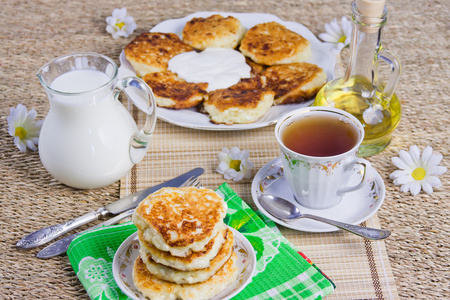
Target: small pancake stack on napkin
186 251
281 272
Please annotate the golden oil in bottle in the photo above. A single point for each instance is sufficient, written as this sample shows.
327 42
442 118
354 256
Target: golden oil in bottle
361 92
358 97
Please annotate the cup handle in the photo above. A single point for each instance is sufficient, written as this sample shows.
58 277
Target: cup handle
366 167
142 97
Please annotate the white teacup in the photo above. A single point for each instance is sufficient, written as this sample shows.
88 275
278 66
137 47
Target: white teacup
319 176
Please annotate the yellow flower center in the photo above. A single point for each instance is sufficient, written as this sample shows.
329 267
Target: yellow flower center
20 132
419 173
342 39
120 25
235 164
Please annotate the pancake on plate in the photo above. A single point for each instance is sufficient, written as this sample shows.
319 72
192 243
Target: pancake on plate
244 102
255 68
157 289
294 83
213 32
180 220
173 92
196 260
178 276
151 51
273 44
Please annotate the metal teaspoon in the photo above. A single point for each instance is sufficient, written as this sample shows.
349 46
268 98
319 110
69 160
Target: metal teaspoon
283 209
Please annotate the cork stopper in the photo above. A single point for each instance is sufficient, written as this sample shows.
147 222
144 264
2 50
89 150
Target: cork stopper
370 13
371 8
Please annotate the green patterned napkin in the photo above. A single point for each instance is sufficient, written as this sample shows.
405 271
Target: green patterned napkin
281 272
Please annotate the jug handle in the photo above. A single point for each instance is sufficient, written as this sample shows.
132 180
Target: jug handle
394 76
140 91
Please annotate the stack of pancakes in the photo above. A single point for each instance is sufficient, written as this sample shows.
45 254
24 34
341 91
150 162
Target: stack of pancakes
186 250
275 54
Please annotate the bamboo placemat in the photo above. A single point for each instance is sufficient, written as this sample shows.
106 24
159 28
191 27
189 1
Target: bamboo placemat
34 32
359 268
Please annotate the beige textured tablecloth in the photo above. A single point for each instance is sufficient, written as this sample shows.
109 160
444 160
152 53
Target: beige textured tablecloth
34 32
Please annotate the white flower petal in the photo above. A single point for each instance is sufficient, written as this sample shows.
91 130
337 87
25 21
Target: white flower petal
247 164
406 158
120 13
426 154
434 181
415 154
415 187
434 160
335 27
427 188
335 48
405 188
403 180
31 145
223 157
21 145
235 153
327 38
398 173
400 163
438 170
222 167
11 130
238 176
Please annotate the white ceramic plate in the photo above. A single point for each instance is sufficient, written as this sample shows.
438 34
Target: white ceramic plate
190 118
127 253
355 208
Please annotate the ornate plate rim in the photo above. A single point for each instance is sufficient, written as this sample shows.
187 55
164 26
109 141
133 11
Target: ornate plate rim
246 271
190 118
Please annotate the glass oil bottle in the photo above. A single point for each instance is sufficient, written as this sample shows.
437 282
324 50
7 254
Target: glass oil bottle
360 92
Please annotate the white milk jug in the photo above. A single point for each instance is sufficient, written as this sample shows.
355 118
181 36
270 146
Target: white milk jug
89 139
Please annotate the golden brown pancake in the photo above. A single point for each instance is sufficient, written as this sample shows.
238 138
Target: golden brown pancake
244 102
294 83
177 276
180 220
256 68
151 51
157 289
213 32
194 261
173 92
273 44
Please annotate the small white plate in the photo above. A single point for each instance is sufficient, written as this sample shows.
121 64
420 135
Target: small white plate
191 118
355 207
127 253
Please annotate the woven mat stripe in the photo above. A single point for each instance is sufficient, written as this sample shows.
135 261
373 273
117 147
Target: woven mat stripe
373 267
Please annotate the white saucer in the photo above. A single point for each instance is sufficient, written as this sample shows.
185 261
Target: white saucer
127 253
355 207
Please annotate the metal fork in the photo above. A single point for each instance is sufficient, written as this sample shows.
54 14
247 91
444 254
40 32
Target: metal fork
61 246
194 182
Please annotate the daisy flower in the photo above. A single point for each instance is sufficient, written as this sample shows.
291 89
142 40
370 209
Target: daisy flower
23 128
234 164
337 37
418 171
119 24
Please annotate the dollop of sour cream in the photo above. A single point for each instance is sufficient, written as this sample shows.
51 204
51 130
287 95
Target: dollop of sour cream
219 67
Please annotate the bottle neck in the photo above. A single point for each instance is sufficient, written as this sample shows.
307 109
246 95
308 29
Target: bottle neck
365 44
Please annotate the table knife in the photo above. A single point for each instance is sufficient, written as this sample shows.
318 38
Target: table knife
61 246
48 234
